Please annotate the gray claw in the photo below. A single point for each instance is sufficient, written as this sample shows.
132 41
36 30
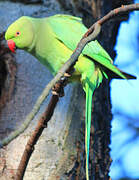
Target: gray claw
55 93
67 75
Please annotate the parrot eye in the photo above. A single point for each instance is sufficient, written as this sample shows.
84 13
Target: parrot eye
17 33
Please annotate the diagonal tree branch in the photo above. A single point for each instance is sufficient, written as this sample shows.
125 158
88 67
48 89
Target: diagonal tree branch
90 35
29 148
42 123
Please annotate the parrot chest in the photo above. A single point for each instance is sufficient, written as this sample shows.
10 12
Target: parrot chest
52 53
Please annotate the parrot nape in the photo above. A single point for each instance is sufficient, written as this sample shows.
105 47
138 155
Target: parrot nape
52 40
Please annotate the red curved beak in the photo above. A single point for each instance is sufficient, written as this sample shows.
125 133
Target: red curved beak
11 45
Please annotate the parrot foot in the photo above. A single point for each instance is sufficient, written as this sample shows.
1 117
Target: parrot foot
55 93
67 75
57 90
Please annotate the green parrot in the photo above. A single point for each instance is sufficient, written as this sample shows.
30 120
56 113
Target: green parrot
52 40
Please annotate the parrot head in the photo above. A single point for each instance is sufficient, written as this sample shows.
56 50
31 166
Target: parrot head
20 34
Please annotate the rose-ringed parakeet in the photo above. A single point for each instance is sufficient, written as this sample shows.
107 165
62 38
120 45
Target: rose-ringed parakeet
52 40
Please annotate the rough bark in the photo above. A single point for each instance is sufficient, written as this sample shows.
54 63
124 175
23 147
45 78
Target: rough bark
60 152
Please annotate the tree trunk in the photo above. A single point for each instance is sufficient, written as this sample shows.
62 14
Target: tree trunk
60 152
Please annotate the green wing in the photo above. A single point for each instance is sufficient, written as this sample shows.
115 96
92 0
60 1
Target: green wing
72 32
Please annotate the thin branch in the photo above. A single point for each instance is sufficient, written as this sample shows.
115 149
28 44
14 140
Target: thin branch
42 123
35 136
90 35
118 11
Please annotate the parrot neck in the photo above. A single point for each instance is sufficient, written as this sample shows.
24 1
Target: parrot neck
30 49
36 30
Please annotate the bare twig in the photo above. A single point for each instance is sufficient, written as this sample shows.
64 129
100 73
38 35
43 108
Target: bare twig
90 35
42 123
35 136
121 10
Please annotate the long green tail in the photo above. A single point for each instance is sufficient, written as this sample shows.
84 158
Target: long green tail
89 93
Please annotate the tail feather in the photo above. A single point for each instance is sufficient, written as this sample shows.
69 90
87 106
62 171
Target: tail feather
114 75
89 94
111 70
127 75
